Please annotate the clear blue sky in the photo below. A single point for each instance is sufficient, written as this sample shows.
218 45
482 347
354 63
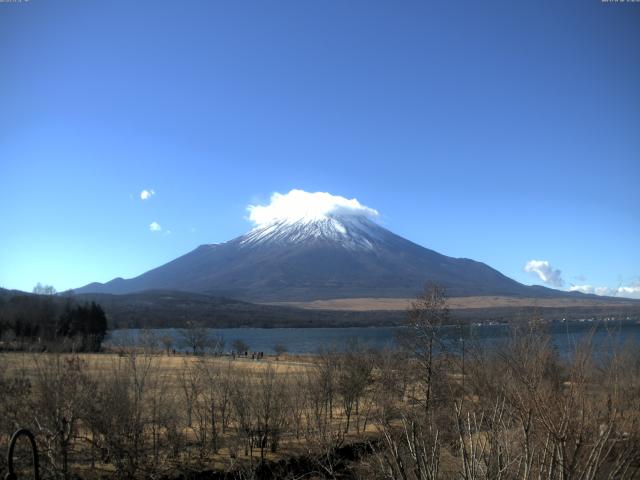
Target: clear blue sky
499 131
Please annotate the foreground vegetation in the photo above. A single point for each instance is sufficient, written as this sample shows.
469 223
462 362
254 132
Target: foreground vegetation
516 410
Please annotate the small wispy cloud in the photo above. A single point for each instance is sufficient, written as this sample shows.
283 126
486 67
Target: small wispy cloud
166 233
155 227
147 194
582 288
545 272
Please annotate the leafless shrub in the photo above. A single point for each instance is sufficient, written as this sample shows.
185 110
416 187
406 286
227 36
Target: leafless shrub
353 378
119 415
410 452
200 340
550 418
61 394
15 400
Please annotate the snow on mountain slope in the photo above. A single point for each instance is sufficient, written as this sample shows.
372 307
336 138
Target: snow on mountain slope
350 232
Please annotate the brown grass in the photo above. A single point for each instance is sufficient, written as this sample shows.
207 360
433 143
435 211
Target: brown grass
398 304
170 368
164 365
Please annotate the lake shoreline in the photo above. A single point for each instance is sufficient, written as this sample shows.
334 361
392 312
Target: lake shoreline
309 340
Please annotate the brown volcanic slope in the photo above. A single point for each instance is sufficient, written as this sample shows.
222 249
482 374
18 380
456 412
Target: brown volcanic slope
455 303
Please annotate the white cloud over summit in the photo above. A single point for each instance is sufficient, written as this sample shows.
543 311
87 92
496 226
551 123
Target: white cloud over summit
300 205
545 272
155 227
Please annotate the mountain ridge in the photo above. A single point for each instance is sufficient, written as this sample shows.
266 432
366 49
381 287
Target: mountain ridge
336 256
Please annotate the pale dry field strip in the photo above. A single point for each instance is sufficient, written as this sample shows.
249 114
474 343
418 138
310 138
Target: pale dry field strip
396 304
96 363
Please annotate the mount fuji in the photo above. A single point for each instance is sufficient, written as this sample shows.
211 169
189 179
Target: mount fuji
312 248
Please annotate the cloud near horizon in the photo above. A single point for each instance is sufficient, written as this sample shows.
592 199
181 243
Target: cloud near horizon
626 291
146 194
299 204
545 272
155 227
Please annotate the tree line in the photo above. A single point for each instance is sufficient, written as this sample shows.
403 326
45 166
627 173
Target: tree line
44 320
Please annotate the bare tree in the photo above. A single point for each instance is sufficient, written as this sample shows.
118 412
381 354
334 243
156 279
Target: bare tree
326 367
240 396
215 399
354 376
240 346
279 349
270 409
427 313
167 342
322 434
41 289
190 384
200 340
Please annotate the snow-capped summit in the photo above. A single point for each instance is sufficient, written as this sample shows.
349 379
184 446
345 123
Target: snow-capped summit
303 217
347 231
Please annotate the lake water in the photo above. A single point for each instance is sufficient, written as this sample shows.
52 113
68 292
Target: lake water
565 335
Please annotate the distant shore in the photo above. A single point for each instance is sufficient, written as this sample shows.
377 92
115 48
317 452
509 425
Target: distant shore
458 303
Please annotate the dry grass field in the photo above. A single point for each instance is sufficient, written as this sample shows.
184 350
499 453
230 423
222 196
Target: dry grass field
177 411
169 366
401 304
